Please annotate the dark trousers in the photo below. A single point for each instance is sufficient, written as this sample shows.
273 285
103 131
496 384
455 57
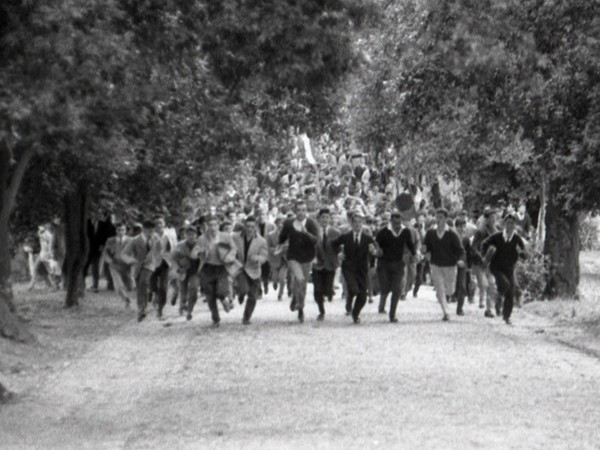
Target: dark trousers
505 285
265 275
249 288
420 275
143 289
93 261
188 290
214 284
356 292
462 274
159 284
390 280
323 286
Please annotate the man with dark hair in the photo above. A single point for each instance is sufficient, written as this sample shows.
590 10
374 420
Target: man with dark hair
301 233
217 252
463 273
505 249
445 251
324 268
392 241
98 232
356 247
186 268
481 270
159 281
142 252
120 271
251 253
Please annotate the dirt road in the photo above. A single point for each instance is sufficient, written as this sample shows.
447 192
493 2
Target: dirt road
420 383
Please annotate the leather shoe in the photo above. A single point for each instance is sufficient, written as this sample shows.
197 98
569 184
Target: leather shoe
393 320
320 317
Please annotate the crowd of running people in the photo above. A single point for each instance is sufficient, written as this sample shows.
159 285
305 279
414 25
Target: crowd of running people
342 223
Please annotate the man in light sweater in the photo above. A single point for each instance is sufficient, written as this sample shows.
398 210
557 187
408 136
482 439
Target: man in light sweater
445 252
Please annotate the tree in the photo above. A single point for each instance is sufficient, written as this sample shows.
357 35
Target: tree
102 97
483 86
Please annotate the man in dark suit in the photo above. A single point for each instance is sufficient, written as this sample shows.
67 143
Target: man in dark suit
356 247
324 269
98 232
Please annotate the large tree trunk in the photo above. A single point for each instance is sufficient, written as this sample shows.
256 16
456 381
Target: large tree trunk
562 245
76 210
10 325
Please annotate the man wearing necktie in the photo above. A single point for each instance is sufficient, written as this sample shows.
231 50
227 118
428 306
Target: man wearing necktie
356 247
324 268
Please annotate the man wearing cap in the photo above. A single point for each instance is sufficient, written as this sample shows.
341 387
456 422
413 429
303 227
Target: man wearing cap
142 252
301 233
505 248
356 247
216 251
186 268
324 268
392 241
445 251
252 252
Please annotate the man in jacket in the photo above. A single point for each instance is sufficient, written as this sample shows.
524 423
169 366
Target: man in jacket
323 273
120 271
217 254
186 269
252 252
505 247
356 247
142 252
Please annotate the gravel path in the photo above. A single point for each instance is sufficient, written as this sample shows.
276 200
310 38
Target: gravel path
420 383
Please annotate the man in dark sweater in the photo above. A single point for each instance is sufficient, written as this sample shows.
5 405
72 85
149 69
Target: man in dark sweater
506 246
445 252
301 234
392 240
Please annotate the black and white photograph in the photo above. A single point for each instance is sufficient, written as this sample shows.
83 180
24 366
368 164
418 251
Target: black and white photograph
299 224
